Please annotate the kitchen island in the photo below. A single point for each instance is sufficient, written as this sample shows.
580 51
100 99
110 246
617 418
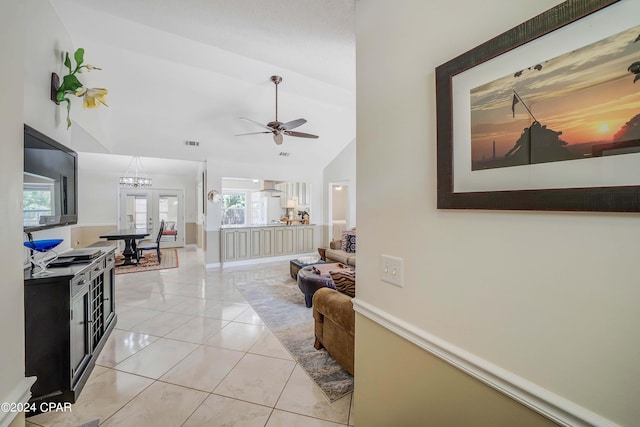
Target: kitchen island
247 242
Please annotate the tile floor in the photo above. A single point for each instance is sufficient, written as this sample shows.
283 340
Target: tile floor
188 350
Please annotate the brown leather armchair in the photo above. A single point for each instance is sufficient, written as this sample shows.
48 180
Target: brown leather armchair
334 320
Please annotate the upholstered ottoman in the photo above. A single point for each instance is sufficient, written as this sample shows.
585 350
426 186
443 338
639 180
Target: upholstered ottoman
296 264
309 282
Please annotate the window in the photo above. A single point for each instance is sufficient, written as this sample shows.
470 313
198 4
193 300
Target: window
140 212
234 208
37 199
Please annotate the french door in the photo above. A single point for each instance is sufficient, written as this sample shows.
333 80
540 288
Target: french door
146 208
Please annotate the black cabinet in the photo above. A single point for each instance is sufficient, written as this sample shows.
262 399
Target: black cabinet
79 334
69 315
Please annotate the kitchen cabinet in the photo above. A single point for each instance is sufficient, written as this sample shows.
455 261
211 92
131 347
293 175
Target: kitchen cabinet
69 315
236 244
304 239
294 190
284 242
262 242
239 243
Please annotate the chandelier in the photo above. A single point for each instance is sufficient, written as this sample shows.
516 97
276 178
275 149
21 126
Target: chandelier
132 178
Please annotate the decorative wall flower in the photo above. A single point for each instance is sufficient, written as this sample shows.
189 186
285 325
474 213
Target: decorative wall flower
92 97
71 85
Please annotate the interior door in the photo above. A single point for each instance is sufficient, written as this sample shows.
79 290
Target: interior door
338 209
136 209
146 208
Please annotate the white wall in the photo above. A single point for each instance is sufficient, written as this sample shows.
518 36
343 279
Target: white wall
12 383
45 41
550 297
98 191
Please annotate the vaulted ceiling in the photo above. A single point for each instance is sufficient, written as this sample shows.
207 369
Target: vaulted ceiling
179 70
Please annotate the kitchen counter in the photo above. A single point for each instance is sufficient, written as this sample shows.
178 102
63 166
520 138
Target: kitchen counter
275 224
247 242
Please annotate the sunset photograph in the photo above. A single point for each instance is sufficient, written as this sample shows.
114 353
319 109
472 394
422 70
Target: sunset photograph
582 104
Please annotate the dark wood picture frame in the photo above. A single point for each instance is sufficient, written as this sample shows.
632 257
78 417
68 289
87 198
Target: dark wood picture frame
604 199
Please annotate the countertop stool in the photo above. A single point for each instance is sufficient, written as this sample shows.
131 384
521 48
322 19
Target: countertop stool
309 282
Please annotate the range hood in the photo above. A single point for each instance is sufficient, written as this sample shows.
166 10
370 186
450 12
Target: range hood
270 187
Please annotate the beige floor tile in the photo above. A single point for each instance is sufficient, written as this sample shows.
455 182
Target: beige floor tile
101 397
236 336
160 301
122 344
219 411
159 405
203 369
196 307
249 316
286 419
197 330
162 324
302 396
184 289
230 294
226 310
129 297
157 358
131 316
257 379
98 370
269 345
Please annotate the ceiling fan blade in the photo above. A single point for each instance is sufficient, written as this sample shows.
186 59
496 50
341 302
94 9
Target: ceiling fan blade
277 137
299 134
293 124
257 123
251 133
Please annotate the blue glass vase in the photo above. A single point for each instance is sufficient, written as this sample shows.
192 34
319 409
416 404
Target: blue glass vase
47 254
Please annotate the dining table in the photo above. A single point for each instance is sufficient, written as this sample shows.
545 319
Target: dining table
129 236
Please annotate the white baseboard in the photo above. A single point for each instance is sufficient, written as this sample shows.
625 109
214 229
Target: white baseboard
20 394
543 401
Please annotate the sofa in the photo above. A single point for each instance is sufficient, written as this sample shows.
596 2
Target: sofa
334 320
343 250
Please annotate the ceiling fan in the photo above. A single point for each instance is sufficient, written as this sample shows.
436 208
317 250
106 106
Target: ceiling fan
278 129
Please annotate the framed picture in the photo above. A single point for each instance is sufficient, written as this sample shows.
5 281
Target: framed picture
545 116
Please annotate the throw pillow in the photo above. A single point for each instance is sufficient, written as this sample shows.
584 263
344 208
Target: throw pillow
344 281
349 241
344 241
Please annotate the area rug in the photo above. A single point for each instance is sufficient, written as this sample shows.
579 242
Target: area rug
278 301
169 259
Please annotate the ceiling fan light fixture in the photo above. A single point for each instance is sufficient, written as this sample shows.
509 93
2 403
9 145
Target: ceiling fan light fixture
279 129
276 79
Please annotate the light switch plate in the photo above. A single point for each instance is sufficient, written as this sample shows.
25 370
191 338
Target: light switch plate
391 270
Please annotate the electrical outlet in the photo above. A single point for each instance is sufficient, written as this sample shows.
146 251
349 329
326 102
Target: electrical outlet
391 269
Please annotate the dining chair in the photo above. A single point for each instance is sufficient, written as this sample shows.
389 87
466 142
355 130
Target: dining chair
148 245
